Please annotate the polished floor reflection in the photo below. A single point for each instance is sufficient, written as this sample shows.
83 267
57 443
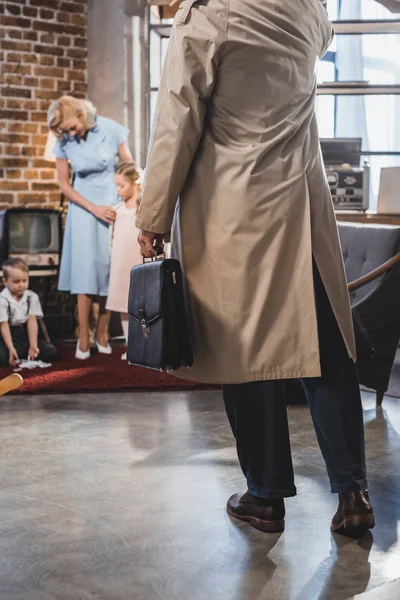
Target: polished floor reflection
121 497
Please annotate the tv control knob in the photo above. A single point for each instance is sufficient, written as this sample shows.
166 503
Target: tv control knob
51 261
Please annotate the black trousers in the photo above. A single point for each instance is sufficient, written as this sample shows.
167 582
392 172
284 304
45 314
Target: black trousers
19 334
258 418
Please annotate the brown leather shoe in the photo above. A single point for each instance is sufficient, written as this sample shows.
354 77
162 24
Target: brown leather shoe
264 515
354 514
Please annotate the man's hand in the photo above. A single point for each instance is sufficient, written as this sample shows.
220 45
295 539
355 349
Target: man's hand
33 352
149 242
14 358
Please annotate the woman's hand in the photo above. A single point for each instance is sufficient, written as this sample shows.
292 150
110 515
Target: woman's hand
14 359
104 213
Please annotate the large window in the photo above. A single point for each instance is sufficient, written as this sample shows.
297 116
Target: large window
358 80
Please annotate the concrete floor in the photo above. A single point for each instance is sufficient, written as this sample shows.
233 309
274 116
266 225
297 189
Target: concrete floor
121 497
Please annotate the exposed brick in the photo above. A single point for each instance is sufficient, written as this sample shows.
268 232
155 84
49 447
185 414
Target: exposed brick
64 63
16 68
14 186
12 80
31 81
30 35
38 116
29 11
14 115
63 86
47 174
31 128
76 52
47 60
11 150
49 72
53 4
43 54
64 40
12 163
14 34
6 199
29 197
19 22
47 94
48 50
14 174
79 64
14 46
14 138
28 151
30 58
16 92
45 186
31 174
47 83
13 57
47 14
39 163
78 20
62 17
81 88
14 126
13 9
47 38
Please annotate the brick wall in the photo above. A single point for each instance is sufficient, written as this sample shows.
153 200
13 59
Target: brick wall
43 55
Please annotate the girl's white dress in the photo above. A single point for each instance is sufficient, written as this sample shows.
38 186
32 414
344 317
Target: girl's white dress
125 254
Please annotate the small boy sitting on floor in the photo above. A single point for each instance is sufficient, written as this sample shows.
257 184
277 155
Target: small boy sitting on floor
19 310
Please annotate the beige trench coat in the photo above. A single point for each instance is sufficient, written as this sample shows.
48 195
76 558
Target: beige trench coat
235 137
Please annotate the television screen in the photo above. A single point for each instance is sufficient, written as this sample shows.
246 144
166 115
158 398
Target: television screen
33 232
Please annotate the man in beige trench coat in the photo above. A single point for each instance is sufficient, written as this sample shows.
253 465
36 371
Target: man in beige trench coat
235 139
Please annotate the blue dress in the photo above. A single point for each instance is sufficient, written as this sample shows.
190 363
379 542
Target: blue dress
85 261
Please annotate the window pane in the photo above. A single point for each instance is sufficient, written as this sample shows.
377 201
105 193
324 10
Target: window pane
326 116
363 9
376 163
155 59
325 71
153 102
371 58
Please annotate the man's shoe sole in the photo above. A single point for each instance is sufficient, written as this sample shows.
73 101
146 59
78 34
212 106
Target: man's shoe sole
354 524
260 524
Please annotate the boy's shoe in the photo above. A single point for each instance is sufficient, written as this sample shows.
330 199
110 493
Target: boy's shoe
79 354
264 515
354 515
124 357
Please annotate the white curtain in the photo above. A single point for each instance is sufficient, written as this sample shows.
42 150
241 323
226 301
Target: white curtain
376 59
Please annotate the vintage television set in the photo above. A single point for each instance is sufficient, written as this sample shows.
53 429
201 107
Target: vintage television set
33 234
348 180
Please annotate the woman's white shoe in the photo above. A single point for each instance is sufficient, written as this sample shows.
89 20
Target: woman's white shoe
123 357
103 349
79 354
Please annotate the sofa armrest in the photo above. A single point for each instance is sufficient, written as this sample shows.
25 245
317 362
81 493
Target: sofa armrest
381 270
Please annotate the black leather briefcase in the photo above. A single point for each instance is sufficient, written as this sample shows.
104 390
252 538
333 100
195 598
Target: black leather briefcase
158 325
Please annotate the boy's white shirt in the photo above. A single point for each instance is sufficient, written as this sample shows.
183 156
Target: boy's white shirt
19 307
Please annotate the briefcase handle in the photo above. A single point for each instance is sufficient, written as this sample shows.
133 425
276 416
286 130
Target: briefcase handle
159 255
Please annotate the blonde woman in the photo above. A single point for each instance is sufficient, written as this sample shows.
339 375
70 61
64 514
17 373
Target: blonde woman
92 145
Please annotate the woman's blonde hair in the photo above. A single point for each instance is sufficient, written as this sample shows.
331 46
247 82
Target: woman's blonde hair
134 174
66 107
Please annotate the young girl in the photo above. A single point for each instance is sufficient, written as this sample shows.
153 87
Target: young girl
125 250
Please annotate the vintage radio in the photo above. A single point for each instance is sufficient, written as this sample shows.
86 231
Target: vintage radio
348 182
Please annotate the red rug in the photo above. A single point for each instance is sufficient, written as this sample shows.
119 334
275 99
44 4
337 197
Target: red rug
98 374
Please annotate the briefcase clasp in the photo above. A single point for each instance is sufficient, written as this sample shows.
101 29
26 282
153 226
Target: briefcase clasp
145 327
